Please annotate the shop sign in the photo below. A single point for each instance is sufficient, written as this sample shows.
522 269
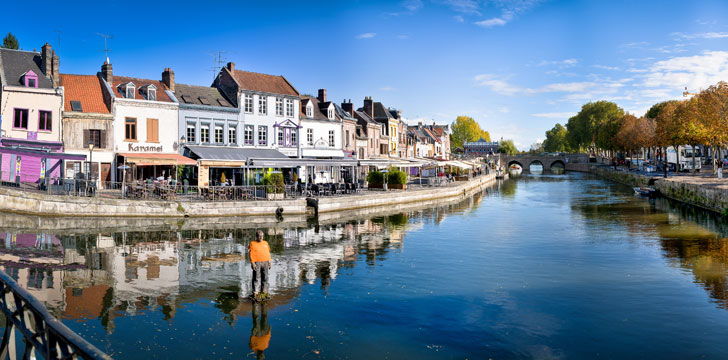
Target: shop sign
145 148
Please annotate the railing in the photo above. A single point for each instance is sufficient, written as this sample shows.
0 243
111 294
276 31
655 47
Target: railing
169 190
42 333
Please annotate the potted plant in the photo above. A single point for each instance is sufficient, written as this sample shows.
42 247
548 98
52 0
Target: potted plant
273 186
375 179
396 179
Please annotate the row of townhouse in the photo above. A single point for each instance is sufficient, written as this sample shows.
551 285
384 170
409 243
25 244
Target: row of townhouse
64 126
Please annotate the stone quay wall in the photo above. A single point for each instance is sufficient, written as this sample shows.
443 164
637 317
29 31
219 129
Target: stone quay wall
21 202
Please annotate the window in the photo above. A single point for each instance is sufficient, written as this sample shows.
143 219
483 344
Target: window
331 138
44 121
309 110
294 138
232 139
309 137
191 136
219 134
205 134
331 114
248 103
347 138
130 129
262 135
94 136
129 92
280 137
289 107
30 79
32 82
153 130
76 106
151 94
279 106
249 134
21 119
262 105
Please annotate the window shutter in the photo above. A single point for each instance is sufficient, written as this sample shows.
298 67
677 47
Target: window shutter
102 140
86 138
156 130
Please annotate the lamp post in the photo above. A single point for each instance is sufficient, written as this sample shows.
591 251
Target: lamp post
182 142
90 158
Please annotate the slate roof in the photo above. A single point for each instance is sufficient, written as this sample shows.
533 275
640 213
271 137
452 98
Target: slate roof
201 95
15 63
381 112
86 89
139 83
275 84
342 114
318 113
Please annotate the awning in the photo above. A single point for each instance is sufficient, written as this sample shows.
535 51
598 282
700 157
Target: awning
233 154
157 159
40 153
294 162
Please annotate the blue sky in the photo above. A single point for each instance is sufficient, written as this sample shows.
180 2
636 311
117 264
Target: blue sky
517 67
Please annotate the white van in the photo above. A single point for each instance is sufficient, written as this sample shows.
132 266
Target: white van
686 158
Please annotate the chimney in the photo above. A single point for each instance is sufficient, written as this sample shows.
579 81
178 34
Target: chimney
231 66
168 78
369 106
107 73
46 60
348 107
322 95
55 73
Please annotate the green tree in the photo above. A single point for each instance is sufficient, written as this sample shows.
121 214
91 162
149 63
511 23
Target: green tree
11 42
583 128
655 109
466 129
556 139
507 147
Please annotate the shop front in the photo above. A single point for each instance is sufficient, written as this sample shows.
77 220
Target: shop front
232 166
153 166
32 161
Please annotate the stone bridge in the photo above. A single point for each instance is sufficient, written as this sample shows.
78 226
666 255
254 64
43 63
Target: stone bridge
567 161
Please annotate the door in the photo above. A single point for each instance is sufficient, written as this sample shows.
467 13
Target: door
105 172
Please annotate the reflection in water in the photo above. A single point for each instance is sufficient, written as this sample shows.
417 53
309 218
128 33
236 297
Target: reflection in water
536 168
340 284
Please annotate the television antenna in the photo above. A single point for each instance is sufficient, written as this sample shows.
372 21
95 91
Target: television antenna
218 61
59 38
106 47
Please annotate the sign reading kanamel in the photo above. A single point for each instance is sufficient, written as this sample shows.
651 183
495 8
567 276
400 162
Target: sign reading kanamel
145 148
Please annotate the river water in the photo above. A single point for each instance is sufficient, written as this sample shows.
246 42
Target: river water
542 266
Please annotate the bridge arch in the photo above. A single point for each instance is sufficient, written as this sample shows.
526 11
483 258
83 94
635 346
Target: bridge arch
558 164
515 162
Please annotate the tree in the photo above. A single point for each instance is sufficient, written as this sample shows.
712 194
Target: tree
466 129
11 42
536 148
556 139
712 112
507 147
655 109
583 128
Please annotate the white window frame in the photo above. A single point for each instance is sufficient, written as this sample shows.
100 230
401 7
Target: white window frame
219 135
248 103
232 135
262 105
332 138
281 137
294 138
151 94
130 91
331 114
279 106
289 107
193 138
249 135
309 110
262 135
309 136
204 134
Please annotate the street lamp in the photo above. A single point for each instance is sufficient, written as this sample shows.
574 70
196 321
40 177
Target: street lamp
90 158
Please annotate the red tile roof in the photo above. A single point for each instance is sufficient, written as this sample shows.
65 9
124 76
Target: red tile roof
161 94
275 84
86 89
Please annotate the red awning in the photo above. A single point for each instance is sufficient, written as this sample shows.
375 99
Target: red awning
158 159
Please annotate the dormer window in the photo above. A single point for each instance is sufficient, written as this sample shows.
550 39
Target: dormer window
152 94
309 110
30 79
129 90
331 114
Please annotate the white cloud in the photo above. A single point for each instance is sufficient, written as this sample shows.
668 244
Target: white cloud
387 88
463 6
496 85
492 22
566 63
605 67
554 115
366 35
458 18
695 72
412 5
705 35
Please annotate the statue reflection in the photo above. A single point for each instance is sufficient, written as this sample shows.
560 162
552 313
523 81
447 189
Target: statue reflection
260 334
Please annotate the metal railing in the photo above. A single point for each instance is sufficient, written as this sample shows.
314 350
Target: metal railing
42 332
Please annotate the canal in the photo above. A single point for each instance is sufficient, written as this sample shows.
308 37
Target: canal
541 266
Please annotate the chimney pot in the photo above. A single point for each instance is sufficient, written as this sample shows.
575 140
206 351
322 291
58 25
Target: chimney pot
231 66
107 73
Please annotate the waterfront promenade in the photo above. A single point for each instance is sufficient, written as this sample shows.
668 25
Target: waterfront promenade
17 201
